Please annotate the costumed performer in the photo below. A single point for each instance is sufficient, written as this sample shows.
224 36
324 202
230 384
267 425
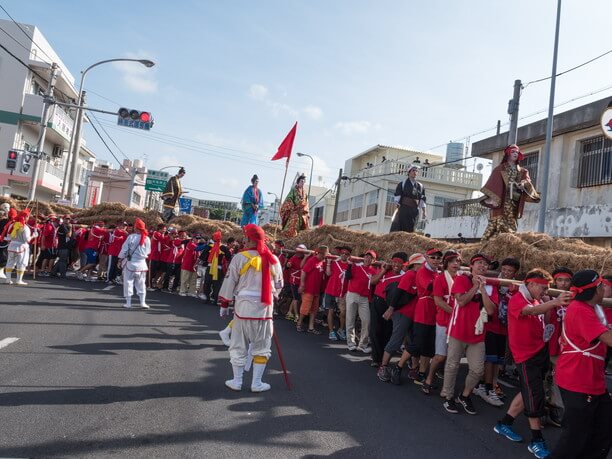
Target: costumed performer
409 198
252 201
20 236
294 211
133 259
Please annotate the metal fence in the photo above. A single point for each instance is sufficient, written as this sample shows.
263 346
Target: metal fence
595 162
465 208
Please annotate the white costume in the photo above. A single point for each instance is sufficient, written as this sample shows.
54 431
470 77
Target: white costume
135 270
18 252
252 319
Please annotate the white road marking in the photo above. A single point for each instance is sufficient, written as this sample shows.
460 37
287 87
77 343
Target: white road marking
6 341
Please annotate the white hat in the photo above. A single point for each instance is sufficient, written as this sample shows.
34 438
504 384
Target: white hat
301 247
5 206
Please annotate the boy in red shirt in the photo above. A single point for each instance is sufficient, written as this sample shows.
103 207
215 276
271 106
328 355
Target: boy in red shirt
294 267
335 292
157 268
580 373
95 237
173 256
358 301
527 336
189 276
116 240
48 245
311 283
474 300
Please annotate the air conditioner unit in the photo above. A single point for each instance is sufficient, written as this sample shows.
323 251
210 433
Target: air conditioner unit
57 151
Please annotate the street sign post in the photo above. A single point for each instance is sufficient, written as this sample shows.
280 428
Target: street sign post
156 180
185 206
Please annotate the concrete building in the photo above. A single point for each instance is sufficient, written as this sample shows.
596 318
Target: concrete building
124 185
322 201
21 109
366 198
579 179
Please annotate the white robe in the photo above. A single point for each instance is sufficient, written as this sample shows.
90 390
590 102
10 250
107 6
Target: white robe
135 270
18 248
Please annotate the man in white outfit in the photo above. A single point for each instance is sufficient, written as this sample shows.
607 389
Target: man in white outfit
253 277
134 253
19 235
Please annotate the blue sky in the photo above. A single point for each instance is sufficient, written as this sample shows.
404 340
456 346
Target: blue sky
233 76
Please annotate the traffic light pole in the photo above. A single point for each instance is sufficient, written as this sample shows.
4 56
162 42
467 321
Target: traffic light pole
76 147
40 145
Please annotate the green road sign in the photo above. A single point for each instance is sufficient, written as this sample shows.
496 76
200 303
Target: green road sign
153 184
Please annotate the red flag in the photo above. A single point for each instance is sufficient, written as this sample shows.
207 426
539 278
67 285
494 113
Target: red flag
284 150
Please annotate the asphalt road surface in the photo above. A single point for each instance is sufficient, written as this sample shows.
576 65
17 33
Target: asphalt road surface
84 377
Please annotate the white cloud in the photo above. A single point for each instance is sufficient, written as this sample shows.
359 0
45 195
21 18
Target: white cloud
258 92
277 108
136 76
355 127
313 112
232 182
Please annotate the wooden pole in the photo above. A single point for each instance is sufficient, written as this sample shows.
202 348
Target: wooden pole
35 258
282 191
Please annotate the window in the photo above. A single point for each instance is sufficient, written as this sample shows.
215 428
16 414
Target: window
342 212
317 218
356 207
390 203
136 198
594 162
530 162
437 210
372 200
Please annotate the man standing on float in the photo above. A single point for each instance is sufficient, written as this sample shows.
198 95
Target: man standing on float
409 198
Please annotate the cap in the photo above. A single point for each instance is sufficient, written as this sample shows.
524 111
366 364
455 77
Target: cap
416 259
434 251
371 253
301 247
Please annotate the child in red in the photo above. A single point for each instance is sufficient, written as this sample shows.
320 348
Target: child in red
311 283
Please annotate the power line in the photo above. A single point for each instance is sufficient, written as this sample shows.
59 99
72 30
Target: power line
108 135
569 70
26 34
20 44
109 149
210 192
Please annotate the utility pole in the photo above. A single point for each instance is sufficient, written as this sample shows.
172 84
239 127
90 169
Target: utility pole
40 145
132 183
549 129
337 196
513 111
74 154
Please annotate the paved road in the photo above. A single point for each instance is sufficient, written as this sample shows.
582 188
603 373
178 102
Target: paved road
87 378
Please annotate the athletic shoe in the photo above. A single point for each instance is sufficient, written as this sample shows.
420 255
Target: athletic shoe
332 336
192 295
352 348
451 406
203 297
419 380
479 390
506 431
413 374
396 373
21 283
341 335
365 350
426 388
440 375
491 398
384 374
127 306
551 419
467 404
182 294
374 364
538 449
151 289
145 306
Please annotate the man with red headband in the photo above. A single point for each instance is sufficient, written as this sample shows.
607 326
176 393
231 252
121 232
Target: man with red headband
254 276
506 192
19 235
11 215
215 259
134 253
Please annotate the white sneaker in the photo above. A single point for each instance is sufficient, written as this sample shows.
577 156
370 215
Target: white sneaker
8 281
192 295
145 306
352 348
233 385
479 390
202 297
261 387
150 289
492 398
21 283
182 294
365 350
127 306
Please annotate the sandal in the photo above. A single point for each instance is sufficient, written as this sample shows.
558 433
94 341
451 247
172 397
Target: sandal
426 388
299 328
314 331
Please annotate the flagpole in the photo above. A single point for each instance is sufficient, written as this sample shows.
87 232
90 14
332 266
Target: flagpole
284 151
282 191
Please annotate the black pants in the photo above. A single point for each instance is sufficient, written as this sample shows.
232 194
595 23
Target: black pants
587 426
405 219
212 287
113 270
532 373
3 256
380 329
63 260
172 269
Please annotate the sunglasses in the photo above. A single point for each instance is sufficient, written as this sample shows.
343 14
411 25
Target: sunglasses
435 257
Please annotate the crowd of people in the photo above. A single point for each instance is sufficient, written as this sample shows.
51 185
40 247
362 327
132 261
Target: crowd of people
416 316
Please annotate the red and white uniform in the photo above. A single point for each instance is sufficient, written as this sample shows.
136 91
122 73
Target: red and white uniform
408 284
135 271
116 240
425 312
190 257
337 285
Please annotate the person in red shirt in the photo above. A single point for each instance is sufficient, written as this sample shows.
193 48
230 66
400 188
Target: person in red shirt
424 340
103 254
580 373
173 256
335 292
451 262
401 312
48 245
527 336
158 268
607 281
116 240
95 237
294 268
474 300
189 276
311 284
381 329
358 301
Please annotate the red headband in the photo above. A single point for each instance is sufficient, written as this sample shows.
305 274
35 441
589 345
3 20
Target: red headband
562 275
576 290
538 280
397 260
606 282
433 251
478 259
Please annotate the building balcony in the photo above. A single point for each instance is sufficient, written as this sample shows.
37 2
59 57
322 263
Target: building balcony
465 208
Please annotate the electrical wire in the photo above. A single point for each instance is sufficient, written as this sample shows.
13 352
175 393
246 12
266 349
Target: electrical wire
25 33
108 135
569 70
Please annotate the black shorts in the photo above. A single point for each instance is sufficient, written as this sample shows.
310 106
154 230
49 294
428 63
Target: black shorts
495 348
294 292
532 373
423 340
48 254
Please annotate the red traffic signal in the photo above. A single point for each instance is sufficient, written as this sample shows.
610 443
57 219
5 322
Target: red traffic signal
134 118
11 160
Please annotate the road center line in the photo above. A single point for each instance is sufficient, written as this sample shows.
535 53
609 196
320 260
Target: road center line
6 341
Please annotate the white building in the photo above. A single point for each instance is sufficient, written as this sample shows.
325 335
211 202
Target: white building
579 179
124 185
366 200
322 201
21 109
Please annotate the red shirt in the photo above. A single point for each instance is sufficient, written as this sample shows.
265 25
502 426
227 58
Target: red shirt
525 332
336 283
190 257
315 272
116 242
105 243
282 258
388 278
295 270
49 236
96 237
555 317
463 321
174 251
408 284
440 288
425 312
575 371
360 279
156 246
81 239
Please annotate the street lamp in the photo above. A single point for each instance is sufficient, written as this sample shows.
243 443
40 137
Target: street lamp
276 203
75 141
311 168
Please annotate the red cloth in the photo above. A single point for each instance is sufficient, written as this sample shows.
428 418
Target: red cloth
12 215
440 288
216 248
408 284
388 278
525 332
49 236
555 317
140 226
336 283
118 238
284 149
463 320
174 253
190 257
294 269
425 312
166 248
96 237
256 234
81 237
156 245
575 371
360 279
315 272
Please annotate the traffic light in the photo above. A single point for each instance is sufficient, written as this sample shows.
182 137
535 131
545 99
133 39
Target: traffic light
27 160
134 118
11 160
